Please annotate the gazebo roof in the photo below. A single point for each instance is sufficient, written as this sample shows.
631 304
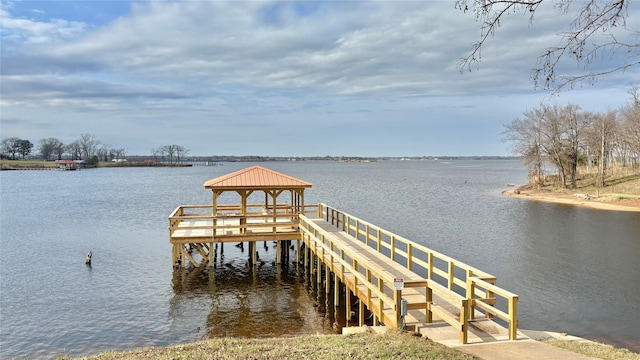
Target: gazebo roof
255 177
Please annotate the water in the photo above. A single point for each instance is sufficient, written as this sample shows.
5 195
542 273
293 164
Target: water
575 269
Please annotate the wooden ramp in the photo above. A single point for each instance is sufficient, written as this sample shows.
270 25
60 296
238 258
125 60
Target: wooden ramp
350 250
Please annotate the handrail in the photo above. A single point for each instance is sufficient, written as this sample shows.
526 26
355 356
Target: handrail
436 265
485 304
375 288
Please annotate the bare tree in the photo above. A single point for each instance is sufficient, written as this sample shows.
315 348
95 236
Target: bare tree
604 129
11 146
103 152
599 28
88 145
630 124
50 146
181 152
554 134
74 150
525 136
576 124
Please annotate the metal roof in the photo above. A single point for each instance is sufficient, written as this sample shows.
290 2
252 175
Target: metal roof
256 177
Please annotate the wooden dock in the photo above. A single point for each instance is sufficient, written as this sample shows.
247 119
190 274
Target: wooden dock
401 283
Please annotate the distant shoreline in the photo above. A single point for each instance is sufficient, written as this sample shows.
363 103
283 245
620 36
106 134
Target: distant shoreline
575 200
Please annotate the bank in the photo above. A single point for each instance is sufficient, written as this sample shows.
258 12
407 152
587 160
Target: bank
619 194
372 345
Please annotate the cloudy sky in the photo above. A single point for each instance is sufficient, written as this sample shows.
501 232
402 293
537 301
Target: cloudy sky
279 78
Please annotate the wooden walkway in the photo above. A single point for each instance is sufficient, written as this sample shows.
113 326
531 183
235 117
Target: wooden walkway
382 270
385 272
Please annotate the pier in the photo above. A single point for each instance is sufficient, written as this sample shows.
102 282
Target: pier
397 282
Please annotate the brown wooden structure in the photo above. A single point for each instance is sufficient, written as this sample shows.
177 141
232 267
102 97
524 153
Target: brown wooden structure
268 210
366 261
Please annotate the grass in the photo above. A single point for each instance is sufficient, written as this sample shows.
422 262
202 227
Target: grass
29 164
390 345
593 349
40 164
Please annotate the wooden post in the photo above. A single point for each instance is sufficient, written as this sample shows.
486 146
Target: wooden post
367 235
347 306
360 312
451 275
513 316
380 301
429 296
470 293
397 299
409 256
336 290
464 324
393 247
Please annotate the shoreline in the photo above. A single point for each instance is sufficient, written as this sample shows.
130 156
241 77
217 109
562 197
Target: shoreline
574 200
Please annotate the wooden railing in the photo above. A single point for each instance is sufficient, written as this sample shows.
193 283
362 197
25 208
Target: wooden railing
474 285
323 245
229 218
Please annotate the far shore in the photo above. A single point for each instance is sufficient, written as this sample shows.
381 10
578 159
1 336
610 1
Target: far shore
576 199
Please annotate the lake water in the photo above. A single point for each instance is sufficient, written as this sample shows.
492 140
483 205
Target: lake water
576 270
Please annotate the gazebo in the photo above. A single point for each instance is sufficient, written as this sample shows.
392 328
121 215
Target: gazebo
263 213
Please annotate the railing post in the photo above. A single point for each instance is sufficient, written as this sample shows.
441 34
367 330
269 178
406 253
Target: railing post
367 235
451 275
397 299
464 324
513 318
471 293
380 301
409 256
430 265
429 295
393 247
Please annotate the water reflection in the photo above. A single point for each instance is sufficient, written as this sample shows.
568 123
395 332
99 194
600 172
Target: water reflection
266 300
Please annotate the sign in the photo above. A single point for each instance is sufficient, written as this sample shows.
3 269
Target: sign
398 283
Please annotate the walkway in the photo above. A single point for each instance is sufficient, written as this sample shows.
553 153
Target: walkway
388 273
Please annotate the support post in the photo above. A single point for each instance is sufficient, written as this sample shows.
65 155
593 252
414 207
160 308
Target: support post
513 316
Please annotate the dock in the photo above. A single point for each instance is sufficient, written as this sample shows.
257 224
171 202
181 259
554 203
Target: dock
395 282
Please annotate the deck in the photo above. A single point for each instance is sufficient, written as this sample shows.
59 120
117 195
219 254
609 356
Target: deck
384 271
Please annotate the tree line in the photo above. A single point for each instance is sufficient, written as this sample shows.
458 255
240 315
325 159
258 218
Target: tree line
87 147
566 137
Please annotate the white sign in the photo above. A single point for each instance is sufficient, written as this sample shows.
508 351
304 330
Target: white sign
398 283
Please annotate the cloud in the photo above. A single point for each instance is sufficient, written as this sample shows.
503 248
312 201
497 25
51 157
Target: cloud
261 69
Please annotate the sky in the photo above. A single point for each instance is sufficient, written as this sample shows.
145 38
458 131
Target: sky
281 78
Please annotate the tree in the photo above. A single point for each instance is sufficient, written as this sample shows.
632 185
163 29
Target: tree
525 136
103 153
603 130
24 148
50 146
554 134
88 145
630 123
173 152
74 150
59 149
11 146
599 28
